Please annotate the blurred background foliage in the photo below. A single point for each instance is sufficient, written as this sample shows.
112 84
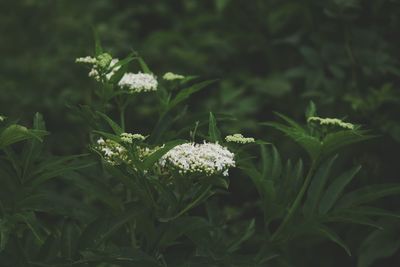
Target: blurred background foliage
269 55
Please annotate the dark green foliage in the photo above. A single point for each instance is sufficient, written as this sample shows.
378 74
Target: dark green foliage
309 195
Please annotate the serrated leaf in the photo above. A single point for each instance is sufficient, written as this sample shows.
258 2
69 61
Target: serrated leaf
213 132
331 235
114 126
97 44
248 232
368 194
143 65
337 140
185 93
317 185
335 190
379 244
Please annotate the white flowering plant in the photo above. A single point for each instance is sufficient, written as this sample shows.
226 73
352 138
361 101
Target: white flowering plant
162 196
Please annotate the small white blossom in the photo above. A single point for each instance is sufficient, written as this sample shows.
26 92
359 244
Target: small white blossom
206 158
239 138
2 118
112 68
113 153
129 138
331 121
102 66
169 76
138 82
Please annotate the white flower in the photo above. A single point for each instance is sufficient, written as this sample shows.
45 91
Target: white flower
128 137
2 118
139 82
94 74
331 121
112 69
239 138
113 153
102 66
206 158
169 76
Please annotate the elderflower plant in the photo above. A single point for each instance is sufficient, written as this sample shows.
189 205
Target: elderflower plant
192 158
138 82
239 138
169 76
332 122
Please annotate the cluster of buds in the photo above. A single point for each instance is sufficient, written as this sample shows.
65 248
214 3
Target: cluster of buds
331 122
103 66
239 138
130 138
169 76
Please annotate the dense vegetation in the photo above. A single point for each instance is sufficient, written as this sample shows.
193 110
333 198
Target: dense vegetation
127 170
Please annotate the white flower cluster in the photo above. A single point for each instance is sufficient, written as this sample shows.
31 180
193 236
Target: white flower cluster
239 138
206 158
331 121
113 153
138 82
2 118
129 138
169 76
104 64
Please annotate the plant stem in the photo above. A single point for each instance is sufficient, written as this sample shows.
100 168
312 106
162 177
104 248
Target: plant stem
296 202
122 117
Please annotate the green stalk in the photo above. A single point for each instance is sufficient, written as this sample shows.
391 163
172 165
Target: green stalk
122 117
296 202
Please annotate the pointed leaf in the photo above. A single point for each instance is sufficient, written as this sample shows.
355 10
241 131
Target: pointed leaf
335 190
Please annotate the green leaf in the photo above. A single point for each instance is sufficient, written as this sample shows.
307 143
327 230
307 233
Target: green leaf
378 245
213 132
32 148
117 223
97 44
331 235
33 224
203 193
311 144
350 217
368 194
311 110
114 126
335 141
185 93
317 186
16 133
143 65
248 232
181 226
63 166
335 190
69 239
372 211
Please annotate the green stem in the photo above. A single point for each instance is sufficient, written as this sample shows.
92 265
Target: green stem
122 117
296 202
